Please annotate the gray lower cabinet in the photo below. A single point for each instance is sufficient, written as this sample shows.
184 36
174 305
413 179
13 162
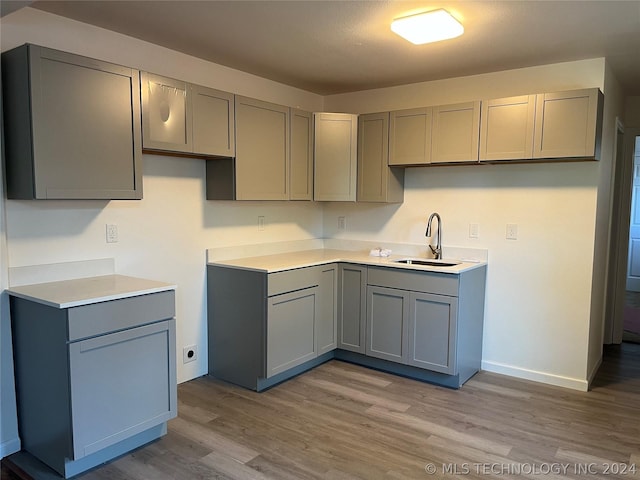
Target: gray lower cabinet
71 126
326 327
264 328
93 381
414 328
291 319
387 323
352 307
431 333
427 320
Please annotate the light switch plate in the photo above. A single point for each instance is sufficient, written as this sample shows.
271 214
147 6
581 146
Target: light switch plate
512 231
474 230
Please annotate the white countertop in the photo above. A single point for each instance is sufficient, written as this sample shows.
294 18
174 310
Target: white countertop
84 291
308 258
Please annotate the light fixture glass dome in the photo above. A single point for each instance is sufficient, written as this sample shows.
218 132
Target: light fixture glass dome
427 27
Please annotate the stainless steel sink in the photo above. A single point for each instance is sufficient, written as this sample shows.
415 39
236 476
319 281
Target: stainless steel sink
428 263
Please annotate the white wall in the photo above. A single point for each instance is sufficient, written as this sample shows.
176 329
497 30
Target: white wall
632 112
538 303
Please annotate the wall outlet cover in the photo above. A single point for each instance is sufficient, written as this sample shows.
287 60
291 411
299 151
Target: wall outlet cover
189 353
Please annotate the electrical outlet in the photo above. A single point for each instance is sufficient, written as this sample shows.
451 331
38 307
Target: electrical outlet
474 230
342 223
261 223
189 353
512 231
112 233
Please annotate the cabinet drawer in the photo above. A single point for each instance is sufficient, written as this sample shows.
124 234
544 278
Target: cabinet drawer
104 317
291 280
427 282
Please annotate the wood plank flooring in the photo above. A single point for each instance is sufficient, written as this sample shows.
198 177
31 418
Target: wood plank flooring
342 422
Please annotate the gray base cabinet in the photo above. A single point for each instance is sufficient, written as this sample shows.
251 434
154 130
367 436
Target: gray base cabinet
387 323
93 381
291 319
427 320
264 328
352 307
71 126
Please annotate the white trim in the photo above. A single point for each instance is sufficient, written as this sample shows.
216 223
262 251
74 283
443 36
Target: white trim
594 371
536 376
9 447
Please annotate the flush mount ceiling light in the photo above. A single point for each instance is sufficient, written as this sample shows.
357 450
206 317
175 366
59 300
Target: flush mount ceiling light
427 27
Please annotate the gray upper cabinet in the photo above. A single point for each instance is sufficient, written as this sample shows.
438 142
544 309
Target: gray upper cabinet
213 122
568 124
301 174
262 150
335 157
71 126
506 128
410 137
456 133
166 114
186 118
377 182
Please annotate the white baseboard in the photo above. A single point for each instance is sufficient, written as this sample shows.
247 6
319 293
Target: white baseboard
9 447
542 377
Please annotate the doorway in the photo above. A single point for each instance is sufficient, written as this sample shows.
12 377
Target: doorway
630 328
623 289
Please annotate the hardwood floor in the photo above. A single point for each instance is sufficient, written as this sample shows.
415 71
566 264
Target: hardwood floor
341 421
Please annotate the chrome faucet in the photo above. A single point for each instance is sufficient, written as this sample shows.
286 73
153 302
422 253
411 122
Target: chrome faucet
437 251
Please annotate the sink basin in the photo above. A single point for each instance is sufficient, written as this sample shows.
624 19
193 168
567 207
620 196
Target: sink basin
425 262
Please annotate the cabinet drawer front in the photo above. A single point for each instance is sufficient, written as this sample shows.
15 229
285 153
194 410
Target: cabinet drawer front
428 282
291 280
105 317
121 384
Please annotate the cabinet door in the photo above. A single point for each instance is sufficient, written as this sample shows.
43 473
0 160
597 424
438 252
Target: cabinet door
352 307
432 332
568 124
262 150
213 122
301 155
387 323
121 384
456 133
326 324
376 181
410 137
291 319
335 159
81 138
166 114
506 128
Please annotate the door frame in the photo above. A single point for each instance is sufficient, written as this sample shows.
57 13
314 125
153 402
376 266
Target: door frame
620 218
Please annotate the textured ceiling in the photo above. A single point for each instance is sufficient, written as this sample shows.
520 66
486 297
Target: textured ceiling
341 46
